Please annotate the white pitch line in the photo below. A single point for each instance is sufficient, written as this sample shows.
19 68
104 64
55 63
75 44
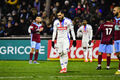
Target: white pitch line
21 77
84 76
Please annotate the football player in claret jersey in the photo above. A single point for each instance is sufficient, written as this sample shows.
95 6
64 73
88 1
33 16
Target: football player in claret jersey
34 29
116 12
106 46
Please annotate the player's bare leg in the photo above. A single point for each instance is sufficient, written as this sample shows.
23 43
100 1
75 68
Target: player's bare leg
85 54
99 61
108 61
90 53
36 56
31 55
118 56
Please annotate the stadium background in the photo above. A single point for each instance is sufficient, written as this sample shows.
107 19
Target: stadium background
17 15
15 18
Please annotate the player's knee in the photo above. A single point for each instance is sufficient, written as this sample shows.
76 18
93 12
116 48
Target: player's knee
108 55
32 50
36 50
99 53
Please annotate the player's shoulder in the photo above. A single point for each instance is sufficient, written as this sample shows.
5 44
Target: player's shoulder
56 20
33 24
68 19
89 25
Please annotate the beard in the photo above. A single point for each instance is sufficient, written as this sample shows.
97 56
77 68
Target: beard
116 14
61 19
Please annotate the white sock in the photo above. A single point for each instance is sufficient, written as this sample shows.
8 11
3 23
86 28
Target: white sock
62 61
85 53
65 58
90 53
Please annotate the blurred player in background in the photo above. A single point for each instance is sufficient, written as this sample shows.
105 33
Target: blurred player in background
61 28
116 12
106 46
35 29
86 32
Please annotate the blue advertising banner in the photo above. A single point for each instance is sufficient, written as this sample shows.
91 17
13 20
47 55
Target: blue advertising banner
20 50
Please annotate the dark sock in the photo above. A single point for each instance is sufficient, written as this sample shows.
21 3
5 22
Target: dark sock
36 56
31 55
108 60
99 59
119 64
119 61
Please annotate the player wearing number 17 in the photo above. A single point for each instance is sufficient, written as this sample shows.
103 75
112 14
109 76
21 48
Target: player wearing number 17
106 30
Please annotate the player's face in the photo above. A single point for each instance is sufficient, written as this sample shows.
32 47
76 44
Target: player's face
84 22
60 16
38 19
115 11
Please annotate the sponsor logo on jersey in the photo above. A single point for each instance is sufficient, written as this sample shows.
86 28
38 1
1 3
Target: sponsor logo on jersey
62 28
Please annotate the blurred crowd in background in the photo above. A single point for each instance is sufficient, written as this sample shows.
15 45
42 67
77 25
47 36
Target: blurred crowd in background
16 18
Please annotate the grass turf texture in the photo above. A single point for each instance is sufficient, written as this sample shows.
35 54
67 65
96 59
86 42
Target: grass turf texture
49 70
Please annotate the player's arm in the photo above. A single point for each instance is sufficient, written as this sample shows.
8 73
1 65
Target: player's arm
98 31
39 30
72 33
31 29
79 32
54 33
90 34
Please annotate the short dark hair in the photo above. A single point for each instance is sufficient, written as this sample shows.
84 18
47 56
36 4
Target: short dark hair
62 11
108 18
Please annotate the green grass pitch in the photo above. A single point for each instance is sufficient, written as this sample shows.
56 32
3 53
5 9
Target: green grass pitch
49 70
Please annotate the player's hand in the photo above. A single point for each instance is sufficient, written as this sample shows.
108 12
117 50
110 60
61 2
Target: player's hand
53 44
94 41
89 42
74 43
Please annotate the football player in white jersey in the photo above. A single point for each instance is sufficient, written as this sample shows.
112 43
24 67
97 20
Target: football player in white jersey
61 29
85 31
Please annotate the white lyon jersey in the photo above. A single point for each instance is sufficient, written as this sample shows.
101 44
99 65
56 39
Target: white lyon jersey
62 29
87 34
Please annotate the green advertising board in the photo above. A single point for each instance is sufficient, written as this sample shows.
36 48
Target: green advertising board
20 50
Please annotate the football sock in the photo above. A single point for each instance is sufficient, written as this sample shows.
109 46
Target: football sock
90 53
85 53
99 59
31 55
65 59
119 64
36 56
62 61
108 60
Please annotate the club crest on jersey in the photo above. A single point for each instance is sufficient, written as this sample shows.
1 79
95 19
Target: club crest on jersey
57 23
65 23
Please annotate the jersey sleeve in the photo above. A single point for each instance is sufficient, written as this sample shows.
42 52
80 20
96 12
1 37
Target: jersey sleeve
98 31
90 33
54 31
79 31
72 30
30 28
